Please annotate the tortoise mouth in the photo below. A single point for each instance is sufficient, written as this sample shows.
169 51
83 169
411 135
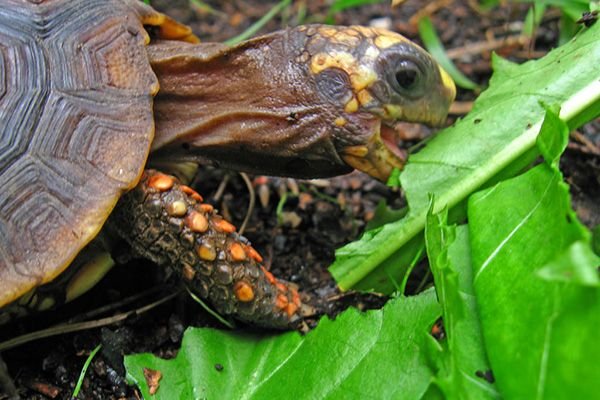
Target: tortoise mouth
380 155
390 135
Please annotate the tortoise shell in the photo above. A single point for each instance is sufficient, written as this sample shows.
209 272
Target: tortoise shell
76 126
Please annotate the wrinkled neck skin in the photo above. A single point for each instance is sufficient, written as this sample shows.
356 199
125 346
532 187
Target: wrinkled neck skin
252 108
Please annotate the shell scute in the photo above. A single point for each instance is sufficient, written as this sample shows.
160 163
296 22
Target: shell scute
76 126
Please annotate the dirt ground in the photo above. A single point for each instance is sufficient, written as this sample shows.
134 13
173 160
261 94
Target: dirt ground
317 217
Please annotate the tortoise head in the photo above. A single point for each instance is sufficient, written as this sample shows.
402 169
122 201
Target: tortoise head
306 102
376 78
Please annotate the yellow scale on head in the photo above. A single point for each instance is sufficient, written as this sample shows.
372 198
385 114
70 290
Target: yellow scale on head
362 74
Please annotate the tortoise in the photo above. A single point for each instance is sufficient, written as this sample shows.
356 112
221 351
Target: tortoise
96 93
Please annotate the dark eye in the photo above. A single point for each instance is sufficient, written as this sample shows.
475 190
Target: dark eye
407 75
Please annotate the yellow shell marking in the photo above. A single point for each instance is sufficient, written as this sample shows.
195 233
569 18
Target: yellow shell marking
153 19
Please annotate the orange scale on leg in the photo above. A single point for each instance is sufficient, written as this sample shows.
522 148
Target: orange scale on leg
206 208
237 252
269 276
223 226
281 302
291 309
282 288
191 192
253 254
196 222
295 297
161 182
243 291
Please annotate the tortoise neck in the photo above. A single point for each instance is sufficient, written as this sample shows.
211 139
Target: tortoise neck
184 72
250 107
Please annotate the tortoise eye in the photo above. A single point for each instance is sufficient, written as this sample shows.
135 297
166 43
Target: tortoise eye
406 71
407 75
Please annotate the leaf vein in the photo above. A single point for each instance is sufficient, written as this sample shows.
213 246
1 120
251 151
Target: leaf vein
527 217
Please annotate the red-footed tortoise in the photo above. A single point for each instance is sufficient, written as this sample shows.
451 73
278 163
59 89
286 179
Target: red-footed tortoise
82 116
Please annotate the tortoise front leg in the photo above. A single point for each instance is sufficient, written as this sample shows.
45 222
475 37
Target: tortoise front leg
168 223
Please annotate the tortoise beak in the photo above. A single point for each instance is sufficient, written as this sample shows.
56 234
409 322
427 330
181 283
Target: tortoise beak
444 98
376 158
380 155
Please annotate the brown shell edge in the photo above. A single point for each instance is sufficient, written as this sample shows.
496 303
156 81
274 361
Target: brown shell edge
10 288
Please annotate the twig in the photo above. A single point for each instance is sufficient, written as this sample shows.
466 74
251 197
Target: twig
216 315
112 306
251 202
221 188
488 45
80 326
587 143
429 9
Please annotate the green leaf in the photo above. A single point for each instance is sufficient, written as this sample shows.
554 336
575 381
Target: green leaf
577 264
204 7
257 26
538 330
394 178
572 8
488 4
341 5
566 29
497 139
84 369
553 137
596 239
384 215
377 354
434 45
462 361
534 17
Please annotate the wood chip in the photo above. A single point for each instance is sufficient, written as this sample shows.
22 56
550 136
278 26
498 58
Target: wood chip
153 378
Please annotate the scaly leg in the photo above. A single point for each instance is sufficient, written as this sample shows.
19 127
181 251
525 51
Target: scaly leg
168 223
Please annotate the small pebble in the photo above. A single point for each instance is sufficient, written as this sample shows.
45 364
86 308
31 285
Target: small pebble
383 23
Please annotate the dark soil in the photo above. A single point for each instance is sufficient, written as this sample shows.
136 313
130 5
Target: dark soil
317 217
